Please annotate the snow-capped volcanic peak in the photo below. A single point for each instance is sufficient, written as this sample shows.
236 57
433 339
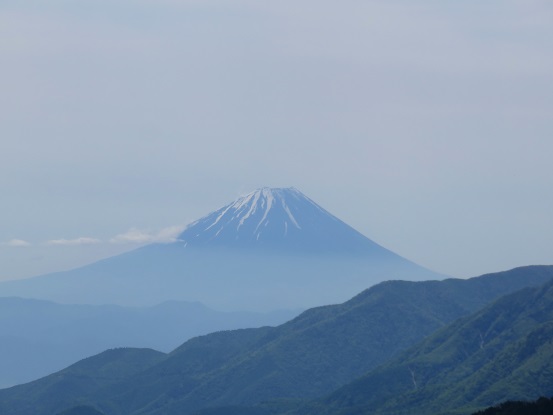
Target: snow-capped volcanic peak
274 218
271 249
256 206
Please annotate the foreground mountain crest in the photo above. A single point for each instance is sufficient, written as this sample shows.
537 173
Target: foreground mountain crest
276 219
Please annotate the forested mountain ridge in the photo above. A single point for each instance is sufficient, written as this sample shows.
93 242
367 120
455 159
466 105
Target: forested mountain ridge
315 353
79 379
541 406
502 352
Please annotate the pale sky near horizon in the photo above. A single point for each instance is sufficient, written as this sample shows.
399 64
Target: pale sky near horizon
427 126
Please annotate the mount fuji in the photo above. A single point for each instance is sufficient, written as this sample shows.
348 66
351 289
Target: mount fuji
272 249
276 221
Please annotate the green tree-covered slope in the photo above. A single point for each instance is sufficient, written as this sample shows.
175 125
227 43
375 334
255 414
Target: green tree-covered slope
74 385
503 352
312 355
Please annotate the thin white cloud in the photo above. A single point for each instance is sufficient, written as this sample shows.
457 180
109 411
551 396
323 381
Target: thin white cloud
18 243
169 234
138 236
73 242
132 236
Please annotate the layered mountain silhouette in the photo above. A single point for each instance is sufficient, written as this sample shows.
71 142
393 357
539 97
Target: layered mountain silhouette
327 347
271 249
40 337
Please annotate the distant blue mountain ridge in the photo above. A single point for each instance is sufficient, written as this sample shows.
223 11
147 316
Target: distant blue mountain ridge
38 337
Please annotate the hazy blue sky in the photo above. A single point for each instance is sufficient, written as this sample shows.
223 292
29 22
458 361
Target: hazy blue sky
426 125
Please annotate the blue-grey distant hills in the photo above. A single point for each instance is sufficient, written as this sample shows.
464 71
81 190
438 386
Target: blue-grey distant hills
39 337
271 249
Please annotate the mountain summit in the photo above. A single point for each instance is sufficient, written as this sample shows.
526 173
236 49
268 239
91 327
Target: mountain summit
277 220
271 249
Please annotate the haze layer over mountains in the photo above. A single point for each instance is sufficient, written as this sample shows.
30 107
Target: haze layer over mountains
39 337
271 249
